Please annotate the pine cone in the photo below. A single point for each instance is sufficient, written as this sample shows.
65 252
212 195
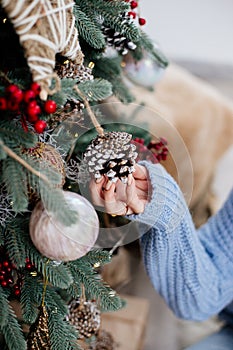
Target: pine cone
112 154
85 316
116 39
68 69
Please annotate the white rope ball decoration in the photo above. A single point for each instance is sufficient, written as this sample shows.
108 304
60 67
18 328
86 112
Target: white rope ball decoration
45 28
65 243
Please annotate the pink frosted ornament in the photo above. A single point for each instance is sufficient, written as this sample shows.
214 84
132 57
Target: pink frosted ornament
65 243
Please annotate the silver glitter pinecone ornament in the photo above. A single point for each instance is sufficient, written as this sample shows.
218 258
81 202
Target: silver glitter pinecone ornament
85 317
112 155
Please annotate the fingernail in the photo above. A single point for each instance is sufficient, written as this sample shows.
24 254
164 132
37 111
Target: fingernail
108 185
99 180
130 180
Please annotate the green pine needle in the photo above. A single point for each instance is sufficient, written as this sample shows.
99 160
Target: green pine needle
63 335
95 90
88 30
13 135
12 332
4 309
15 179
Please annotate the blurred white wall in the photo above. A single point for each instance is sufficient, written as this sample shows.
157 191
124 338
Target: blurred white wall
199 30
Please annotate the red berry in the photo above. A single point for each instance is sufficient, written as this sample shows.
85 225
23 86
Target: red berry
50 106
32 103
5 263
29 96
4 283
10 89
28 266
132 14
12 106
33 113
17 96
3 104
133 4
40 126
17 292
141 21
35 87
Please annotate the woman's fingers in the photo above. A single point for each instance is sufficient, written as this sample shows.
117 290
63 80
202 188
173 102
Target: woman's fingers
113 205
134 203
96 191
140 172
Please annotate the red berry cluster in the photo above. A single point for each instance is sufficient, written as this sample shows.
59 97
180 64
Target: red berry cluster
155 151
26 103
133 14
159 149
9 276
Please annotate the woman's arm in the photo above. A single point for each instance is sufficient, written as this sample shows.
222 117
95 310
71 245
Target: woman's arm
192 269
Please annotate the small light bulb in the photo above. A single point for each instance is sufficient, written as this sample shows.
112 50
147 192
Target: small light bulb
91 65
4 20
97 264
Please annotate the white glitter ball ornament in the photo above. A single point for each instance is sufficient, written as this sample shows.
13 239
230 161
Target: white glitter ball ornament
65 243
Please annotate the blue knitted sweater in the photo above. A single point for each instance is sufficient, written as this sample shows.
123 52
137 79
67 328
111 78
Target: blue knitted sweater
191 269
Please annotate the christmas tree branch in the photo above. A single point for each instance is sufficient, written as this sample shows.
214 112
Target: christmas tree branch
95 122
13 155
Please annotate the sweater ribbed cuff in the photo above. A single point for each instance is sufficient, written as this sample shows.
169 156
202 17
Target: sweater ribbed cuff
167 205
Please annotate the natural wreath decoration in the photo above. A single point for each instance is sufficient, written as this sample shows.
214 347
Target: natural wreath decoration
45 28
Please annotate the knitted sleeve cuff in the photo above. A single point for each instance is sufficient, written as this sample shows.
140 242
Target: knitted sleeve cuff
167 206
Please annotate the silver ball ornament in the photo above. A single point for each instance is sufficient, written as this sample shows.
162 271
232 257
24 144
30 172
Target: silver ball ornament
146 72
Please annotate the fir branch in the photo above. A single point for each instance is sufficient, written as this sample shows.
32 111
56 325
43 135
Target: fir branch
12 134
124 26
15 179
28 300
13 155
88 30
95 286
106 67
110 69
145 43
61 97
63 335
96 90
31 298
4 307
58 274
102 6
96 257
121 91
15 244
2 235
12 332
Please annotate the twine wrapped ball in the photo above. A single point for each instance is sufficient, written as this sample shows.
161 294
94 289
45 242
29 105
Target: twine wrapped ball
65 243
45 28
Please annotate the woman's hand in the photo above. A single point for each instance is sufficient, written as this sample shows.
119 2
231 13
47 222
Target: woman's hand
119 198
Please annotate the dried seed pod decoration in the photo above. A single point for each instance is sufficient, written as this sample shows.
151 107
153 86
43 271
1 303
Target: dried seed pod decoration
111 154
